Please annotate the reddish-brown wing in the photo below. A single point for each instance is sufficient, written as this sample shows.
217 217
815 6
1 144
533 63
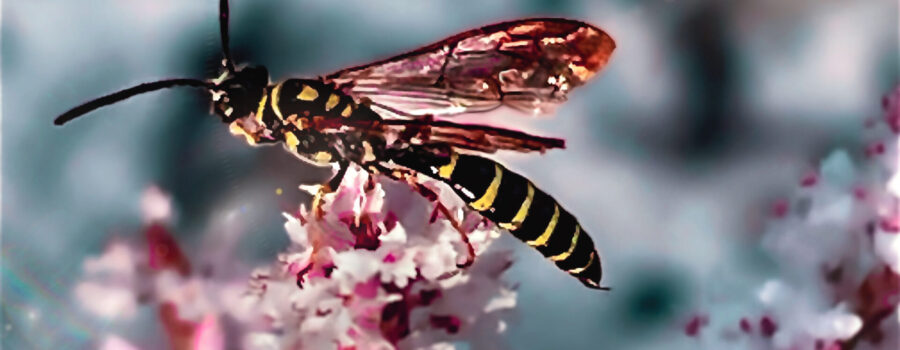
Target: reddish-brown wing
528 64
480 138
427 131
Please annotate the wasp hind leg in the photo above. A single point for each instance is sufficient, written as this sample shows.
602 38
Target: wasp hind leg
441 208
407 176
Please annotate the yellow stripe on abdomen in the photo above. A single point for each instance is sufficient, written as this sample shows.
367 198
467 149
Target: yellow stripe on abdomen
581 269
490 195
544 237
446 170
522 212
568 252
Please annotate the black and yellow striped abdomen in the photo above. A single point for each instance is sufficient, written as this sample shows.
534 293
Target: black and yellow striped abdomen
514 203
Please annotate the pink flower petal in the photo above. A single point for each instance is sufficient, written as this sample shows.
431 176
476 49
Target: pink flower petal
208 334
368 289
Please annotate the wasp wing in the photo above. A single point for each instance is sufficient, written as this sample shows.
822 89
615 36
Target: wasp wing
427 131
479 138
528 64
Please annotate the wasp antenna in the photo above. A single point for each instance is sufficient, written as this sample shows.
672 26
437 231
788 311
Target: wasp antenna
126 93
223 31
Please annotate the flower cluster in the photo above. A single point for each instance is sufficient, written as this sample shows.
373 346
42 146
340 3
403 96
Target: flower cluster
836 244
377 271
369 268
156 273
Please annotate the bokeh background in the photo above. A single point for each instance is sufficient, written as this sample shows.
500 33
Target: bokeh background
707 112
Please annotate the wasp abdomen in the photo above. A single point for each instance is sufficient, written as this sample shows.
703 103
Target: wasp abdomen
514 203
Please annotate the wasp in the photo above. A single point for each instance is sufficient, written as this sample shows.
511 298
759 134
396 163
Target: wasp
393 117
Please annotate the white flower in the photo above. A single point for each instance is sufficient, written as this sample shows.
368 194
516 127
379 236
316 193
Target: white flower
375 267
295 230
109 302
803 318
113 342
836 323
109 289
378 270
837 249
155 270
156 205
887 248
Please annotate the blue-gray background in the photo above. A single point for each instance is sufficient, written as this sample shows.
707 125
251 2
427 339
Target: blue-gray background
707 112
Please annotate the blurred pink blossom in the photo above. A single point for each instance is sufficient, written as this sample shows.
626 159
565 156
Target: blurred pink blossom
376 271
836 244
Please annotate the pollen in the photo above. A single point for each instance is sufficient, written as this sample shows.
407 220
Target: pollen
347 112
308 94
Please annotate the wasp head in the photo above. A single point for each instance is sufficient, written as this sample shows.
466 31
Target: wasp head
237 95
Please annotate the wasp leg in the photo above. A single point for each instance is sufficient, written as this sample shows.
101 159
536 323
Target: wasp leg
470 250
405 175
329 187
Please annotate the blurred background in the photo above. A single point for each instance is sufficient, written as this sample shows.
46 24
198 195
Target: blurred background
707 113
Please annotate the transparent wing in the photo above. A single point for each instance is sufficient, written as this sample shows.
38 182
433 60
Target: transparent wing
479 138
427 131
528 64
